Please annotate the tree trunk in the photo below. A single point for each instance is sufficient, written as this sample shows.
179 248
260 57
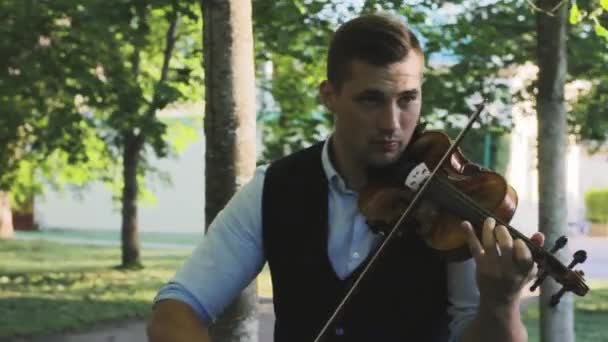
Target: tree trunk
6 216
556 322
130 240
230 134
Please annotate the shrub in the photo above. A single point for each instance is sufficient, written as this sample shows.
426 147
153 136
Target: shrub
596 202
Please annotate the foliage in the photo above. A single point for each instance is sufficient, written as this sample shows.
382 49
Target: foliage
593 14
588 116
37 88
293 36
471 48
488 40
588 60
486 148
596 203
68 88
57 172
134 65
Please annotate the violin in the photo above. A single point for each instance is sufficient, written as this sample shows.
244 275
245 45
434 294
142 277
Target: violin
431 189
460 190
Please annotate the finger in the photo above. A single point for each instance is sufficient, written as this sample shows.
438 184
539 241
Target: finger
538 238
488 238
472 240
522 256
505 244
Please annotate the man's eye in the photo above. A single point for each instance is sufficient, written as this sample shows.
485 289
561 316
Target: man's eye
406 100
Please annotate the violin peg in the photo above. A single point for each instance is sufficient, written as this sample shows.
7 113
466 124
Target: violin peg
539 280
557 297
559 244
578 258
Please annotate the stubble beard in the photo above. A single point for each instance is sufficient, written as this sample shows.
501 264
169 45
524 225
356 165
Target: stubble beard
378 159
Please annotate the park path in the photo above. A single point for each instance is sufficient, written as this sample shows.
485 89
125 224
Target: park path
135 330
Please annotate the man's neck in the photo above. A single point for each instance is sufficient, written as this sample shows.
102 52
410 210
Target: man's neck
354 175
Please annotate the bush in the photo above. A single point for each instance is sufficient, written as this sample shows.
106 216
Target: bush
596 202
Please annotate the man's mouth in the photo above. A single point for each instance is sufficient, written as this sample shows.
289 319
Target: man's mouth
387 145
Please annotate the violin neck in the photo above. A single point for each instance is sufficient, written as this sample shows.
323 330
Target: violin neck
451 199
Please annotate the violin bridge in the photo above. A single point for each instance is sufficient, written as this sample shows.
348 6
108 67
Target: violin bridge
417 177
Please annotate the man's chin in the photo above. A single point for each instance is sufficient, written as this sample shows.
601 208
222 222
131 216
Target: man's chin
384 159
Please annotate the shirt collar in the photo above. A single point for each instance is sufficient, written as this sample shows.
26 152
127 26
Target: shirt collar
333 177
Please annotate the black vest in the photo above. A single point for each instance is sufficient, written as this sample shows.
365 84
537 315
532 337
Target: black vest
404 298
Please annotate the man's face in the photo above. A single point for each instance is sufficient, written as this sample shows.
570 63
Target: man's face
376 110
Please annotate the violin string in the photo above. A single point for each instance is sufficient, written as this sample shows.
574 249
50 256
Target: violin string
484 213
401 219
548 258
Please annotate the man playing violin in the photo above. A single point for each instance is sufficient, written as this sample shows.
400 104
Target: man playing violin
300 215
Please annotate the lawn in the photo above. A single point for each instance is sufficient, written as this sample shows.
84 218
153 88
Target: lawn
48 287
590 320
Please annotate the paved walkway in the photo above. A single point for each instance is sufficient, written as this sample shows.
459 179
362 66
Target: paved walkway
135 331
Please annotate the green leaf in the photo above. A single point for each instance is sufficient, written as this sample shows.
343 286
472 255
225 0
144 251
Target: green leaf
604 4
575 14
601 31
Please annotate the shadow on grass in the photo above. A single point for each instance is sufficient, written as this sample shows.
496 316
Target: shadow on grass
26 317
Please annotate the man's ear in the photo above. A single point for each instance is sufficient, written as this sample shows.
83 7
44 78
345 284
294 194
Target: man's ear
326 94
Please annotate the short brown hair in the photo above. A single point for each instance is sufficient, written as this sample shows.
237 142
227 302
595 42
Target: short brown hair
378 39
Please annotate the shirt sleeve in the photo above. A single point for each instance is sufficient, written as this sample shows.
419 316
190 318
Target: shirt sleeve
463 296
227 259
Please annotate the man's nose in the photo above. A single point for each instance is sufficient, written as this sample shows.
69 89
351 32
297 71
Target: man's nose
388 120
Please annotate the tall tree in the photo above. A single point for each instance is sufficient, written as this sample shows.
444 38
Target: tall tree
557 323
145 68
230 134
144 125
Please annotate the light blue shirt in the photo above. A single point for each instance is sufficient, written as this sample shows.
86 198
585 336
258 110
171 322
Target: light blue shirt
231 254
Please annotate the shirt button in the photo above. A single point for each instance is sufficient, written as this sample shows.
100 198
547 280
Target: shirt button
339 331
356 255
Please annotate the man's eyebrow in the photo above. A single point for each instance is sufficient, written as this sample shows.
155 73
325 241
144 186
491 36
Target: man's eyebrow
370 92
379 93
410 92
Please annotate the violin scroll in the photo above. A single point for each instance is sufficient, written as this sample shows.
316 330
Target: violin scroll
571 280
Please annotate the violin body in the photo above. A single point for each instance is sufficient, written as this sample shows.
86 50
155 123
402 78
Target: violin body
441 226
486 188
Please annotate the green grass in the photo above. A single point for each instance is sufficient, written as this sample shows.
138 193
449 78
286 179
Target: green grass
111 236
48 288
590 316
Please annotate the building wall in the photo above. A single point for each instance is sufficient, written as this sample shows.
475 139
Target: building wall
584 171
